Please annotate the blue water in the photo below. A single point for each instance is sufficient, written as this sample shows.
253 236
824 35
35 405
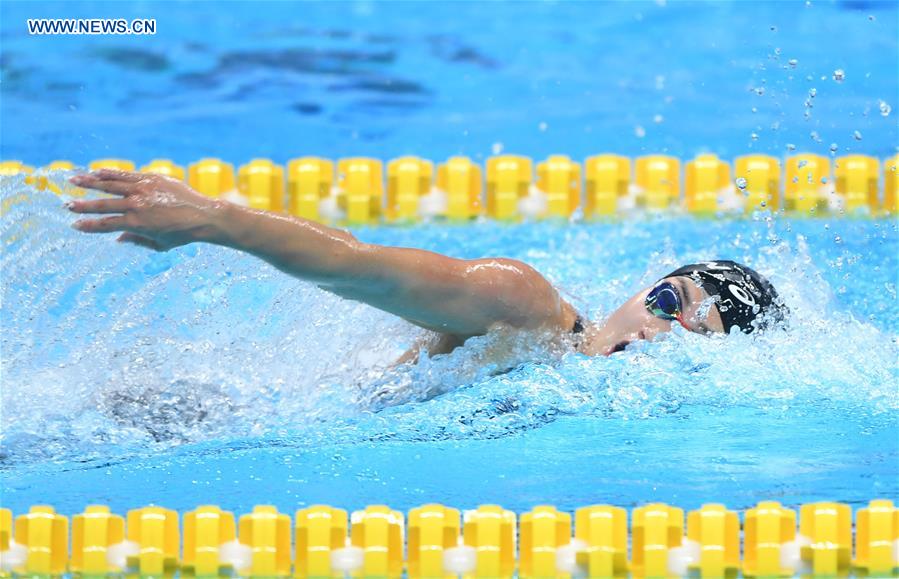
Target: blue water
280 80
202 375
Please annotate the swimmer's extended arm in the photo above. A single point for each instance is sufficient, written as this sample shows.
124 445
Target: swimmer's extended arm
456 297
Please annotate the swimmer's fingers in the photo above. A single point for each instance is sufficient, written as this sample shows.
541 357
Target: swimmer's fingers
99 206
103 225
139 240
117 175
117 187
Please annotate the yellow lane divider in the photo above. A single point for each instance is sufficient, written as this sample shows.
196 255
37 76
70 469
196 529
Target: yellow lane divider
608 180
93 533
657 529
461 181
716 531
489 541
508 181
559 181
757 177
267 533
353 190
261 183
206 529
154 535
708 185
120 164
543 531
600 543
767 528
434 530
490 531
408 180
212 177
320 530
658 181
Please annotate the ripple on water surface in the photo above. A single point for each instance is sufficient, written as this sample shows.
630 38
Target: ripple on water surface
209 368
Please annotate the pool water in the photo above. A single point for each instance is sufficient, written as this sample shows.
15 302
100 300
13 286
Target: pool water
205 376
282 80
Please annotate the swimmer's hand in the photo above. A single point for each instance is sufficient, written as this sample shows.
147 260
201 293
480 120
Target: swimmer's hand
152 211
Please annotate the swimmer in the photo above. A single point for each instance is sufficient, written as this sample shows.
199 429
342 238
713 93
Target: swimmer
456 299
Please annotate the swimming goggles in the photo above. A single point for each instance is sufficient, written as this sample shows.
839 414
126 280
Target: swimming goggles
664 302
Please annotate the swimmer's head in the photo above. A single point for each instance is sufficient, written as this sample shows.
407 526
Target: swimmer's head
709 297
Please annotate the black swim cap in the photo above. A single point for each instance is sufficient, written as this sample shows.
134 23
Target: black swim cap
741 294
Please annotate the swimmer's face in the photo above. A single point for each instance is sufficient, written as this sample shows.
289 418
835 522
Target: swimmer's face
633 321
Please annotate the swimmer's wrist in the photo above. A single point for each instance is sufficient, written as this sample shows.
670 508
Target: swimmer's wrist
217 229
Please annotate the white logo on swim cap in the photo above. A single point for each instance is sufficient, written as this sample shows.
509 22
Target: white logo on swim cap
741 294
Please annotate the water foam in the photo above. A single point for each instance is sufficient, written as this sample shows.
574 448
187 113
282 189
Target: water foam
110 350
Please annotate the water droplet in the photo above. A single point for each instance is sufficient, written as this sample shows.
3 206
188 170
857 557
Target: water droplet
542 127
837 239
839 75
814 136
773 29
793 62
760 90
658 119
813 92
871 17
754 136
764 203
824 180
639 131
497 148
791 147
803 163
777 51
833 147
754 110
884 108
857 135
